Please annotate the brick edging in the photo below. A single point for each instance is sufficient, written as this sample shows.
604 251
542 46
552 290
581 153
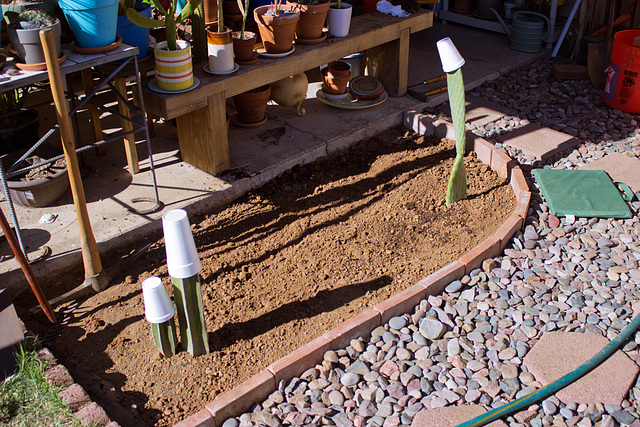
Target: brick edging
73 395
260 386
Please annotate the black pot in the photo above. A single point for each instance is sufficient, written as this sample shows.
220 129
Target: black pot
18 130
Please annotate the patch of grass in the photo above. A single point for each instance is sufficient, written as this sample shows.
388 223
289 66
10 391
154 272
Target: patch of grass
27 399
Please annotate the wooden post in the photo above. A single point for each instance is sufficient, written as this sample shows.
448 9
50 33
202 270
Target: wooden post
90 254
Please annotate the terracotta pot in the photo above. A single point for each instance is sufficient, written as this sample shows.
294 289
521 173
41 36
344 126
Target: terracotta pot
243 48
277 31
312 19
220 50
339 69
334 85
252 105
210 11
231 11
462 5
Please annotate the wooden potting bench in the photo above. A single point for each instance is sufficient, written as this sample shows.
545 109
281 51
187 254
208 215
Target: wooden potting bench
201 113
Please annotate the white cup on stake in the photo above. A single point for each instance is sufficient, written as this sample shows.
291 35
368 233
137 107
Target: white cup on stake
449 56
158 307
182 256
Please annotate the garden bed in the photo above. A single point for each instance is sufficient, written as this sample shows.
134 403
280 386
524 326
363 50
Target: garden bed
281 266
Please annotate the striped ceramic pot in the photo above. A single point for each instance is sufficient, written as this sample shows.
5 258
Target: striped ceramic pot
174 69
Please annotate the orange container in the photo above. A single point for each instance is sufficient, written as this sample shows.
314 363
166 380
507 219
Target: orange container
622 89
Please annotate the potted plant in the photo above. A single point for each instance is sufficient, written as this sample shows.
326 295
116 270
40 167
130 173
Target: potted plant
277 26
244 41
24 34
220 46
18 6
251 107
313 14
130 33
339 19
173 64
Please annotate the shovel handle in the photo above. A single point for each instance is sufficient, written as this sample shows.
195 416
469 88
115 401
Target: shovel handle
90 254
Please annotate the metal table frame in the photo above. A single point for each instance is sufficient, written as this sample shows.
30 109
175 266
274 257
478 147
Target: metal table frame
76 62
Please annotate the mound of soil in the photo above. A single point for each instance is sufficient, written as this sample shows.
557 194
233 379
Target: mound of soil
281 266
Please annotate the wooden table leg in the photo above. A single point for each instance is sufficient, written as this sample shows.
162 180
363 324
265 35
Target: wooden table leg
389 63
130 139
203 138
87 81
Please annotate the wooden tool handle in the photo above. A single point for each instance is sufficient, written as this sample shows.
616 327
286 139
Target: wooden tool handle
90 254
26 268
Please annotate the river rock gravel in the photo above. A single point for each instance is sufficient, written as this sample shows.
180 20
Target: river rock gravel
468 344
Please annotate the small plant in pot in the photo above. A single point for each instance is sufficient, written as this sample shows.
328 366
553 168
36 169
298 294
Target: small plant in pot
174 67
277 26
244 41
24 33
220 46
251 107
18 6
339 19
130 33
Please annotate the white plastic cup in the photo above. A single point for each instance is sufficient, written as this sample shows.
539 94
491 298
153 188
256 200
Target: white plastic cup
449 56
182 256
158 307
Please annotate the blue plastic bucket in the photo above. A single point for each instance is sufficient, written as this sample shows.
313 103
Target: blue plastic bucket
133 35
93 22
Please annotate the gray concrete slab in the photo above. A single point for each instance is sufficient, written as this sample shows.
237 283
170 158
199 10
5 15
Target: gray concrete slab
110 188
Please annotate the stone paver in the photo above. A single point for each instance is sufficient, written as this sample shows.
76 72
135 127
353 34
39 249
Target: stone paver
450 416
620 167
558 353
480 112
538 141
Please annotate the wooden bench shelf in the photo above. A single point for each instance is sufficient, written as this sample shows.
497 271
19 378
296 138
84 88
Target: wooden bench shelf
201 113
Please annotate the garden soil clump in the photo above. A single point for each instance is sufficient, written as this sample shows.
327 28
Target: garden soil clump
281 266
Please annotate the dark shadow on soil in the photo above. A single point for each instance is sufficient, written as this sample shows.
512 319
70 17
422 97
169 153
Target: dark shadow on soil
323 301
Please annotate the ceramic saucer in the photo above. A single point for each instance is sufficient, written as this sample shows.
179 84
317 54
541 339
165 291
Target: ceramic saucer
96 50
235 121
153 85
252 60
40 66
236 67
263 52
319 40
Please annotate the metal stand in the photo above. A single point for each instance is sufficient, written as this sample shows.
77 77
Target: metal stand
138 121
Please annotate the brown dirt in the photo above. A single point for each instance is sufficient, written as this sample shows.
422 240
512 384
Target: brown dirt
281 266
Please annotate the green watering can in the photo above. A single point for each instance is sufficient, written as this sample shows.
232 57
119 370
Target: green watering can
527 30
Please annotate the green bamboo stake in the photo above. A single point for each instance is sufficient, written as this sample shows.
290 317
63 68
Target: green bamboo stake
457 188
164 336
188 300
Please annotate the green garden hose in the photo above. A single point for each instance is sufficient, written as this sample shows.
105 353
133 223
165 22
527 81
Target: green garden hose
558 384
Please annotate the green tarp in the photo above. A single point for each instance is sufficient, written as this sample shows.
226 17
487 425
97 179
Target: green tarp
583 193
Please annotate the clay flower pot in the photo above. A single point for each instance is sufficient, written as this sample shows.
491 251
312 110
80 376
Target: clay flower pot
277 31
252 105
334 85
339 69
243 48
312 19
